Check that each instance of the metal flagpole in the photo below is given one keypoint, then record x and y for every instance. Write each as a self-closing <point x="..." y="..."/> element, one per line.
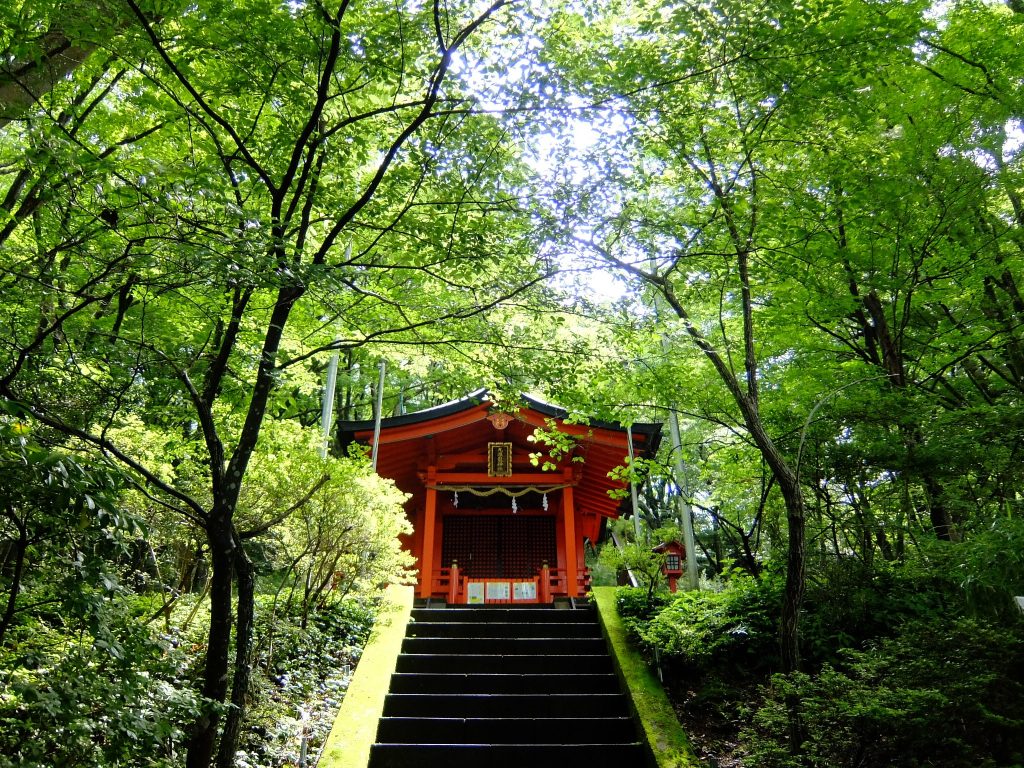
<point x="327" y="407"/>
<point x="685" y="512"/>
<point x="376" y="416"/>
<point x="632" y="487"/>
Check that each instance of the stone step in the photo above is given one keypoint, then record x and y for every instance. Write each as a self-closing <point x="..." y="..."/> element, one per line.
<point x="557" y="646"/>
<point x="502" y="664"/>
<point x="498" y="730"/>
<point x="505" y="687"/>
<point x="506" y="705"/>
<point x="414" y="682"/>
<point x="587" y="755"/>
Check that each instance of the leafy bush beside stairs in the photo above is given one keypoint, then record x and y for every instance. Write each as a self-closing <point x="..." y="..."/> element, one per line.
<point x="898" y="671"/>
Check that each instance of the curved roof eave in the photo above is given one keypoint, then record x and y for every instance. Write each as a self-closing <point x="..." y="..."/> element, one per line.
<point x="470" y="401"/>
<point x="557" y="412"/>
<point x="475" y="398"/>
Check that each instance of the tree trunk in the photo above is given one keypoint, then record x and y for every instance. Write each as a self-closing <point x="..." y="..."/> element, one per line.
<point x="222" y="539"/>
<point x="789" y="483"/>
<point x="938" y="514"/>
<point x="893" y="364"/>
<point x="793" y="596"/>
<point x="23" y="83"/>
<point x="245" y="613"/>
<point x="792" y="495"/>
<point x="21" y="546"/>
<point x="215" y="676"/>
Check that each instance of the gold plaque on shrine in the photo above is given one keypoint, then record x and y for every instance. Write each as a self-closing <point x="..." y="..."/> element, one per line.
<point x="499" y="459"/>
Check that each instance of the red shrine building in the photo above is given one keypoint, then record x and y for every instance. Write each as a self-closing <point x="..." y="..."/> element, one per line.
<point x="490" y="524"/>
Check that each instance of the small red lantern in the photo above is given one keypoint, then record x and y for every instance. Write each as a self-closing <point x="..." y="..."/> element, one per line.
<point x="675" y="554"/>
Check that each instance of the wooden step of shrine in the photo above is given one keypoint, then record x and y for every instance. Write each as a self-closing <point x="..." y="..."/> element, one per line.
<point x="520" y="614"/>
<point x="505" y="688"/>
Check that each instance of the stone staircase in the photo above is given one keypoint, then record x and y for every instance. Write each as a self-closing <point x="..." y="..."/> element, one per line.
<point x="497" y="687"/>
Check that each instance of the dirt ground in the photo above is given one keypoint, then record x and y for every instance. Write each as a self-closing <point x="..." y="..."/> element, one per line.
<point x="713" y="734"/>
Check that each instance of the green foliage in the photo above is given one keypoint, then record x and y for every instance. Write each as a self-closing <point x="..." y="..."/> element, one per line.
<point x="341" y="533"/>
<point x="191" y="215"/>
<point x="987" y="569"/>
<point x="555" y="446"/>
<point x="86" y="680"/>
<point x="637" y="470"/>
<point x="849" y="605"/>
<point x="903" y="668"/>
<point x="661" y="727"/>
<point x="175" y="222"/>
<point x="734" y="628"/>
<point x="638" y="560"/>
<point x="941" y="692"/>
<point x="303" y="670"/>
<point x="66" y="536"/>
<point x="116" y="698"/>
<point x="636" y="604"/>
<point x="601" y="575"/>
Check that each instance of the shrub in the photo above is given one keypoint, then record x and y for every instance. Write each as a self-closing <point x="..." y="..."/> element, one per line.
<point x="732" y="628"/>
<point x="635" y="603"/>
<point x="850" y="604"/>
<point x="938" y="693"/>
<point x="118" y="698"/>
<point x="305" y="670"/>
<point x="985" y="570"/>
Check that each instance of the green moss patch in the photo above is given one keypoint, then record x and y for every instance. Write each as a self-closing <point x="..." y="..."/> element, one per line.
<point x="665" y="737"/>
<point x="355" y="728"/>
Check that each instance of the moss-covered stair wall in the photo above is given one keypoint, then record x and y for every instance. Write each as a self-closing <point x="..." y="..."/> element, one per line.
<point x="670" y="747"/>
<point x="355" y="728"/>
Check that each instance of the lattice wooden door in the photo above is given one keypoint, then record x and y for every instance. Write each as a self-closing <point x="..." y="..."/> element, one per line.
<point x="499" y="546"/>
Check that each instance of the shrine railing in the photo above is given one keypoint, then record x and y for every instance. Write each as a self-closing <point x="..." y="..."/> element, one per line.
<point x="543" y="587"/>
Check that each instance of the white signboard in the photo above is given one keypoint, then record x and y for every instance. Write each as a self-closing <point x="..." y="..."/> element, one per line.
<point x="497" y="590"/>
<point x="524" y="590"/>
<point x="475" y="593"/>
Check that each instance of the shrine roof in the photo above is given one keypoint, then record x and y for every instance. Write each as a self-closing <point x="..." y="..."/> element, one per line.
<point x="458" y="433"/>
<point x="481" y="396"/>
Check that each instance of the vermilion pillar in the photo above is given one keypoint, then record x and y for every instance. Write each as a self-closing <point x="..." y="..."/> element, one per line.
<point x="429" y="519"/>
<point x="571" y="565"/>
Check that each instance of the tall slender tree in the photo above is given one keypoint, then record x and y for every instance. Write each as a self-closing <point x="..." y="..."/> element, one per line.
<point x="213" y="199"/>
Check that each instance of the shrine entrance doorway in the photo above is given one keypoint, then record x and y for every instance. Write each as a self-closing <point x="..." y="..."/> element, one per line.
<point x="499" y="546"/>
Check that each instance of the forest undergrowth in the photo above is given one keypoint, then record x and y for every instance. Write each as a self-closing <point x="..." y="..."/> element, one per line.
<point x="305" y="674"/>
<point x="115" y="690"/>
<point x="903" y="665"/>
